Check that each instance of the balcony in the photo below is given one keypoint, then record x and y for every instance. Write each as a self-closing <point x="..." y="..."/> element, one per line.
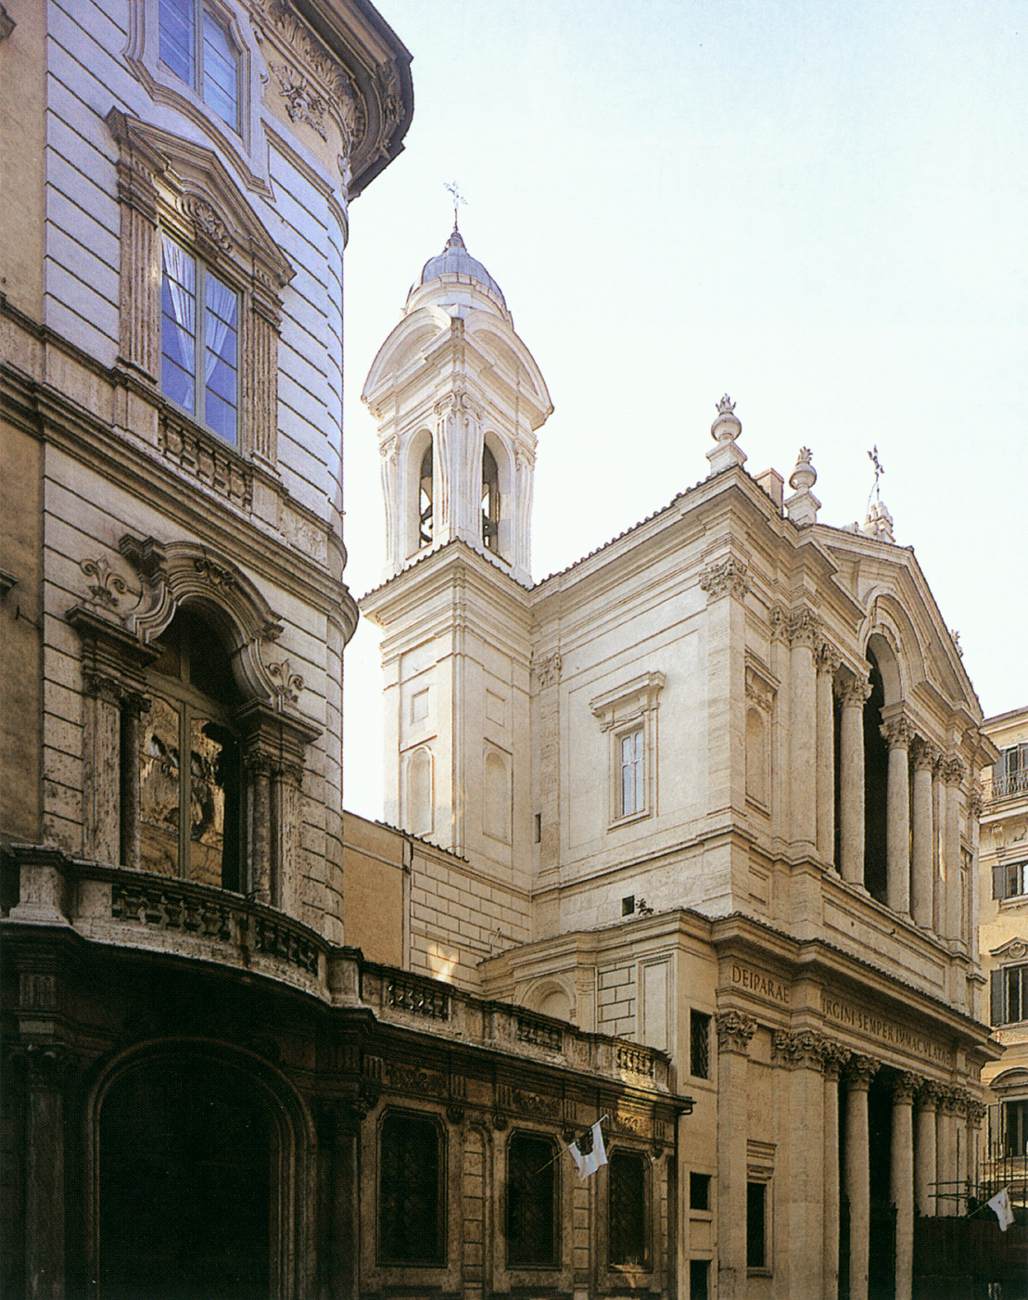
<point x="1010" y="785"/>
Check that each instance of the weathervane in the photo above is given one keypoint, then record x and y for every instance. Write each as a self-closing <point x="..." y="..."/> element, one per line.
<point x="872" y="456"/>
<point x="453" y="189"/>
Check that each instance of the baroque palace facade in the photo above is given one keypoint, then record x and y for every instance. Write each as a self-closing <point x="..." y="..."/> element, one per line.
<point x="711" y="789"/>
<point x="208" y="1090"/>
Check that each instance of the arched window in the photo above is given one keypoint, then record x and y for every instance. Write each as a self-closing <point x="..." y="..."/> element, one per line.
<point x="876" y="784"/>
<point x="533" y="1210"/>
<point x="628" y="1209"/>
<point x="490" y="500"/>
<point x="410" y="1191"/>
<point x="191" y="804"/>
<point x="496" y="808"/>
<point x="425" y="497"/>
<point x="757" y="781"/>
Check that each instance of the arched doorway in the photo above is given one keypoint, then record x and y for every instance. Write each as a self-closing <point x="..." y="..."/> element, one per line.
<point x="187" y="1196"/>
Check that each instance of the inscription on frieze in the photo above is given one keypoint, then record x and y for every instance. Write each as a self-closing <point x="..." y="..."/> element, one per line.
<point x="756" y="981"/>
<point x="885" y="1031"/>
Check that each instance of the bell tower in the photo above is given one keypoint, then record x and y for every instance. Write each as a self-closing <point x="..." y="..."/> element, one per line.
<point x="458" y="399"/>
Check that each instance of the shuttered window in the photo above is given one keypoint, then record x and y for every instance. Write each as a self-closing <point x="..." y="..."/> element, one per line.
<point x="1009" y="989"/>
<point x="1010" y="880"/>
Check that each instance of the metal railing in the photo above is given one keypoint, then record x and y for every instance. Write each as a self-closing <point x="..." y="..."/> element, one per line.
<point x="1011" y="783"/>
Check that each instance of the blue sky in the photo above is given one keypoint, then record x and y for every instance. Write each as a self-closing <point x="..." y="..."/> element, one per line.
<point x="821" y="208"/>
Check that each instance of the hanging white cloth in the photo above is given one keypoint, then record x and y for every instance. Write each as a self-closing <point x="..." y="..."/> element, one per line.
<point x="1000" y="1205"/>
<point x="587" y="1162"/>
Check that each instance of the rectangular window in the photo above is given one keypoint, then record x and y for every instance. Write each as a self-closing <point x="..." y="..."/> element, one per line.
<point x="1010" y="773"/>
<point x="1015" y="1127"/>
<point x="756" y="1225"/>
<point x="410" y="1191"/>
<point x="627" y="1209"/>
<point x="199" y="345"/>
<point x="199" y="49"/>
<point x="699" y="1191"/>
<point x="538" y="824"/>
<point x="532" y="1205"/>
<point x="699" y="1044"/>
<point x="699" y="1279"/>
<point x="1009" y="995"/>
<point x="1010" y="880"/>
<point x="632" y="793"/>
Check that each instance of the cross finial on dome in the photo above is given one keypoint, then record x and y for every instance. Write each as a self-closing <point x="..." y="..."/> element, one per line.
<point x="459" y="201"/>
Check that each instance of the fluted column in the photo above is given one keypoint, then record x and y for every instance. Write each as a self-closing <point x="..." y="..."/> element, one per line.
<point x="952" y="775"/>
<point x="902" y="1180"/>
<point x="802" y="627"/>
<point x="833" y="1057"/>
<point x="926" y="1172"/>
<point x="924" y="756"/>
<point x="897" y="734"/>
<point x="734" y="1031"/>
<point x="963" y="1098"/>
<point x="859" y="1073"/>
<point x="853" y="694"/>
<point x="828" y="662"/>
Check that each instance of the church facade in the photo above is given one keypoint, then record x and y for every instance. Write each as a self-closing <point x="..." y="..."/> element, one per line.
<point x="709" y="789"/>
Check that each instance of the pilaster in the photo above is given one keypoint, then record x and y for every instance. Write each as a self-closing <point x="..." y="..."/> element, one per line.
<point x="734" y="1032"/>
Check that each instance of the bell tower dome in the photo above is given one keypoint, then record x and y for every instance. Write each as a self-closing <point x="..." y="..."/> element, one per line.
<point x="458" y="398"/>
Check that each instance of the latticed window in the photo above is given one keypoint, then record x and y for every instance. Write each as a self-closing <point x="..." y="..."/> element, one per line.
<point x="199" y="342"/>
<point x="627" y="1209"/>
<point x="533" y="1238"/>
<point x="191" y="801"/>
<point x="197" y="47"/>
<point x="699" y="1044"/>
<point x="410" y="1191"/>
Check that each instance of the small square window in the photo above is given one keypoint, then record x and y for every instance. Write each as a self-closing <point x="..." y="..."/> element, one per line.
<point x="699" y="1191"/>
<point x="628" y="905"/>
<point x="419" y="706"/>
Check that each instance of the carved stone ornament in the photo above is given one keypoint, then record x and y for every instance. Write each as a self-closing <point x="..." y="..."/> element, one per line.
<point x="953" y="770"/>
<point x="860" y="1070"/>
<point x="209" y="226"/>
<point x="929" y="1094"/>
<point x="46" y="1065"/>
<point x="827" y="658"/>
<point x="953" y="1100"/>
<point x="797" y="626"/>
<point x="905" y="1086"/>
<point x="976" y="1111"/>
<point x="548" y="670"/>
<point x="288" y="684"/>
<point x="728" y="577"/>
<point x="834" y="1056"/>
<point x="107" y="586"/>
<point x="853" y="692"/>
<point x="734" y="1031"/>
<point x="897" y="732"/>
<point x="216" y="574"/>
<point x="976" y="803"/>
<point x="455" y="1113"/>
<point x="924" y="754"/>
<point x="302" y="100"/>
<point x="799" y="1048"/>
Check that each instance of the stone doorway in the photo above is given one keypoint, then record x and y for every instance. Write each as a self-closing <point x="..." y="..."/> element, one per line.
<point x="185" y="1189"/>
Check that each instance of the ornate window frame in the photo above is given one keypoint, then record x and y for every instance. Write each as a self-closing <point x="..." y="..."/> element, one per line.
<point x="117" y="649"/>
<point x="171" y="186"/>
<point x="624" y="709"/>
<point x="245" y="145"/>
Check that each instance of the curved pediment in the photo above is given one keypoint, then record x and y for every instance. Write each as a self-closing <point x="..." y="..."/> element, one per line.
<point x="513" y="359"/>
<point x="407" y="343"/>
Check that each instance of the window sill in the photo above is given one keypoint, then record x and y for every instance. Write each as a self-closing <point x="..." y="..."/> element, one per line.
<point x="204" y="456"/>
<point x="629" y="819"/>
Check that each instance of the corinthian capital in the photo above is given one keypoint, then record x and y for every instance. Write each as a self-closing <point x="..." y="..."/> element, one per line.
<point x="853" y="691"/>
<point x="734" y="1031"/>
<point x="905" y="1086"/>
<point x="953" y="770"/>
<point x="860" y="1070"/>
<point x="728" y="577"/>
<point x="827" y="658"/>
<point x="925" y="755"/>
<point x="897" y="732"/>
<point x="798" y="1048"/>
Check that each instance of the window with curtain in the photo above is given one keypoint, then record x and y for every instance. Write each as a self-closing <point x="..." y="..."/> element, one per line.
<point x="199" y="342"/>
<point x="191" y="799"/>
<point x="627" y="1204"/>
<point x="197" y="47"/>
<point x="632" y="797"/>
<point x="532" y="1206"/>
<point x="410" y="1191"/>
